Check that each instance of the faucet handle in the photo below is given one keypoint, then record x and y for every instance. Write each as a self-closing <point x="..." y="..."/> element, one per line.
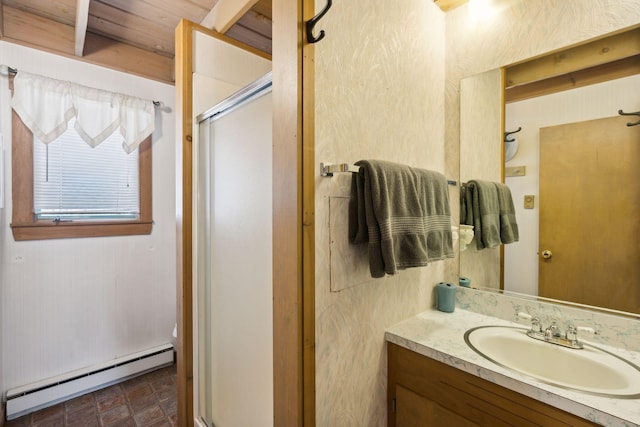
<point x="535" y="322"/>
<point x="535" y="325"/>
<point x="573" y="331"/>
<point x="581" y="330"/>
<point x="577" y="329"/>
<point x="587" y="329"/>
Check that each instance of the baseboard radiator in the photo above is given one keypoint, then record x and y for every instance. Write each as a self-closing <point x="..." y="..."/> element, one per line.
<point x="32" y="397"/>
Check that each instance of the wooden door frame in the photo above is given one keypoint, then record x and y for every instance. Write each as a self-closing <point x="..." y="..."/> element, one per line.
<point x="293" y="217"/>
<point x="184" y="201"/>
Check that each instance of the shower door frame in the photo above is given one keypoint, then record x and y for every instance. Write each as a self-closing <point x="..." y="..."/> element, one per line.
<point x="201" y="177"/>
<point x="293" y="206"/>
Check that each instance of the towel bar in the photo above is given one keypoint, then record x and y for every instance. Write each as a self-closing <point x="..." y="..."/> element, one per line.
<point x="329" y="170"/>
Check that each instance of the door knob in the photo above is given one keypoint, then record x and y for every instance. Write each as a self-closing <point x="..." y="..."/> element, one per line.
<point x="547" y="254"/>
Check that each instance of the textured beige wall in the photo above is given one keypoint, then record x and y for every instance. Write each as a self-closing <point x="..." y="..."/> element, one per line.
<point x="379" y="95"/>
<point x="518" y="30"/>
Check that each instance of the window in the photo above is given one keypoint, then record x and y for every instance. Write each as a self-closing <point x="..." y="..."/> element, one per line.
<point x="72" y="181"/>
<point x="54" y="198"/>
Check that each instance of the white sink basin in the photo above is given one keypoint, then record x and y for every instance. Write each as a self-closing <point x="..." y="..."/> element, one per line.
<point x="590" y="370"/>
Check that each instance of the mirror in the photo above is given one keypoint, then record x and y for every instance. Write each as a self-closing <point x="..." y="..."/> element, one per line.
<point x="518" y="267"/>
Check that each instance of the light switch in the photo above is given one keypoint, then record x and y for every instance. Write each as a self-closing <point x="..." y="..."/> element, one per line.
<point x="515" y="171"/>
<point x="529" y="201"/>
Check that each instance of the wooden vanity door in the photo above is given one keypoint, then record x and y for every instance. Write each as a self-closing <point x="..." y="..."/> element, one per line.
<point x="423" y="392"/>
<point x="413" y="410"/>
<point x="590" y="213"/>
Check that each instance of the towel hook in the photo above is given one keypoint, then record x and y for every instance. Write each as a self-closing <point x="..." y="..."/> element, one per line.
<point x="637" y="113"/>
<point x="506" y="134"/>
<point x="310" y="24"/>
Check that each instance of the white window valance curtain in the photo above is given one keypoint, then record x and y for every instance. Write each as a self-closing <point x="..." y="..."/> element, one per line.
<point x="46" y="105"/>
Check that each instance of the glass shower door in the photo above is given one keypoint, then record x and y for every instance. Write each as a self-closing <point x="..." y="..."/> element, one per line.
<point x="234" y="264"/>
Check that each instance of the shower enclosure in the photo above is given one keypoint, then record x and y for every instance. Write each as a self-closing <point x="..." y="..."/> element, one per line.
<point x="233" y="269"/>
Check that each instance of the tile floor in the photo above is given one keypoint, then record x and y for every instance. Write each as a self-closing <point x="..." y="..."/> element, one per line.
<point x="148" y="400"/>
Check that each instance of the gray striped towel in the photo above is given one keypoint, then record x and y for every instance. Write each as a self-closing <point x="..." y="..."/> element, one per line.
<point x="403" y="213"/>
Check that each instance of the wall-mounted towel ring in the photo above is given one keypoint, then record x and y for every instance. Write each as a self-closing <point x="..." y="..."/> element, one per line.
<point x="637" y="113"/>
<point x="310" y="24"/>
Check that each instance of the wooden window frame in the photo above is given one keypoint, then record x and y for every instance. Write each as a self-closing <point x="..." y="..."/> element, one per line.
<point x="25" y="226"/>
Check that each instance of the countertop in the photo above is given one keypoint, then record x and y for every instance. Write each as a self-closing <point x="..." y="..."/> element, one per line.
<point x="440" y="336"/>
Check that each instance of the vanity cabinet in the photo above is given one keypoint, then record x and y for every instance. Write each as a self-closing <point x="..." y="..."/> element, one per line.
<point x="424" y="392"/>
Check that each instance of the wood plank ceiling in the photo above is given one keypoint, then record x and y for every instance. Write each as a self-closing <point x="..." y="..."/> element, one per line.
<point x="135" y="36"/>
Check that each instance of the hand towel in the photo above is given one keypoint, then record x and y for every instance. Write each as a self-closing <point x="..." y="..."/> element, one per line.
<point x="403" y="213"/>
<point x="508" y="224"/>
<point x="466" y="205"/>
<point x="486" y="213"/>
<point x="463" y="204"/>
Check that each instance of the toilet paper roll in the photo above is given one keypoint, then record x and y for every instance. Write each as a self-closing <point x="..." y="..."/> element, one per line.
<point x="446" y="297"/>
<point x="465" y="281"/>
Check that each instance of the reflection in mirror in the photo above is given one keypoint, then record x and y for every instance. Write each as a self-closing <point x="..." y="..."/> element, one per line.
<point x="560" y="126"/>
<point x="480" y="120"/>
<point x="579" y="242"/>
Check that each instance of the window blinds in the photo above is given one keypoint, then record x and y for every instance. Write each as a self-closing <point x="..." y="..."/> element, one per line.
<point x="74" y="181"/>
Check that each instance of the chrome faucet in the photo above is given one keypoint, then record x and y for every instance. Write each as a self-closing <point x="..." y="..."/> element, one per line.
<point x="553" y="334"/>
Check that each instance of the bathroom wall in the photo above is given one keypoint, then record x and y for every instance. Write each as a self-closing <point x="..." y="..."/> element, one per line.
<point x="513" y="31"/>
<point x="387" y="86"/>
<point x="379" y="95"/>
<point x="72" y="303"/>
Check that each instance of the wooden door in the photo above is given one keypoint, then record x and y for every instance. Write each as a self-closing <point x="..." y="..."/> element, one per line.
<point x="590" y="213"/>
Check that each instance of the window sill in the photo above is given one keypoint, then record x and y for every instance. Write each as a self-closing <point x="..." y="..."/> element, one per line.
<point x="44" y="230"/>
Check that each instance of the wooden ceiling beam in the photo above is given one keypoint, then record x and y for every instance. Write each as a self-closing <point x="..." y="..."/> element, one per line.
<point x="44" y="34"/>
<point x="264" y="7"/>
<point x="139" y="31"/>
<point x="598" y="52"/>
<point x="82" y="19"/>
<point x="129" y="59"/>
<point x="33" y="30"/>
<point x="226" y="13"/>
<point x="580" y="78"/>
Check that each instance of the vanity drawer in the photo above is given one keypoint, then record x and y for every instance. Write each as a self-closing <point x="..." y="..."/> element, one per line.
<point x="424" y="392"/>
